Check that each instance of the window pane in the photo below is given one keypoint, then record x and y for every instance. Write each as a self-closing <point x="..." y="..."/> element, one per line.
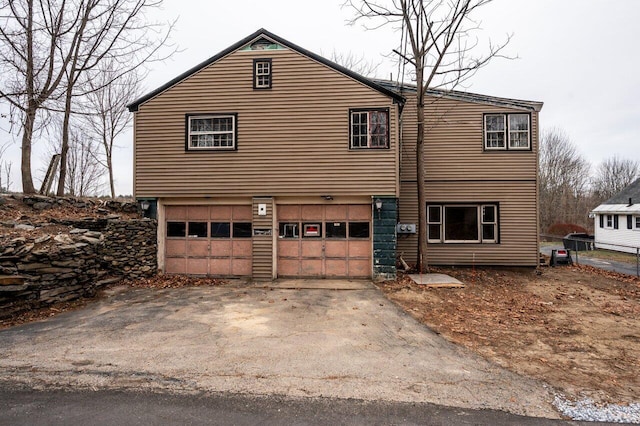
<point x="433" y="214"/>
<point x="638" y="222"/>
<point x="488" y="214"/>
<point x="358" y="229"/>
<point x="461" y="223"/>
<point x="201" y="125"/>
<point x="495" y="140"/>
<point x="336" y="229"/>
<point x="288" y="230"/>
<point x="312" y="230"/>
<point x="519" y="139"/>
<point x="434" y="232"/>
<point x="242" y="230"/>
<point x="198" y="229"/>
<point x="489" y="232"/>
<point x="518" y="122"/>
<point x="220" y="230"/>
<point x="494" y="123"/>
<point x="176" y="229"/>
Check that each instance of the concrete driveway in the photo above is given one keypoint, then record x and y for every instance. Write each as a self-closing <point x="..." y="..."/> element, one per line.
<point x="340" y="339"/>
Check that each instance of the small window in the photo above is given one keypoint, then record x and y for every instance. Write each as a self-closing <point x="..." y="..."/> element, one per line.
<point x="176" y="229"/>
<point x="336" y="229"/>
<point x="262" y="73"/>
<point x="312" y="230"/>
<point x="211" y="132"/>
<point x="637" y="220"/>
<point x="434" y="223"/>
<point x="242" y="230"/>
<point x="358" y="229"/>
<point x="220" y="230"/>
<point x="507" y="132"/>
<point x="289" y="230"/>
<point x="369" y="129"/>
<point x="197" y="229"/>
<point x="609" y="221"/>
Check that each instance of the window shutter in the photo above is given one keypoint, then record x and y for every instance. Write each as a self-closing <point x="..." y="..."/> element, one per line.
<point x="615" y="221"/>
<point x="601" y="220"/>
<point x="629" y="221"/>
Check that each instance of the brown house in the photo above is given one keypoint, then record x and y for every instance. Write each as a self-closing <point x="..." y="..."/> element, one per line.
<point x="270" y="161"/>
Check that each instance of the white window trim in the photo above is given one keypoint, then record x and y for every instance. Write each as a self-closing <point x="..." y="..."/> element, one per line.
<point x="636" y="221"/>
<point x="479" y="208"/>
<point x="506" y="132"/>
<point x="232" y="132"/>
<point x="608" y="217"/>
<point x="367" y="113"/>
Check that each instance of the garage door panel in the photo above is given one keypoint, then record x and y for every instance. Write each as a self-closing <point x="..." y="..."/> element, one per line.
<point x="286" y="212"/>
<point x="175" y="265"/>
<point x="288" y="248"/>
<point x="198" y="213"/>
<point x="242" y="248"/>
<point x="197" y="248"/>
<point x="336" y="268"/>
<point x="221" y="213"/>
<point x="221" y="248"/>
<point x="336" y="213"/>
<point x="336" y="249"/>
<point x="197" y="266"/>
<point x="359" y="268"/>
<point x="312" y="213"/>
<point x="311" y="267"/>
<point x="176" y="247"/>
<point x="360" y="249"/>
<point x="241" y="267"/>
<point x="242" y="213"/>
<point x="176" y="213"/>
<point x="288" y="267"/>
<point x="360" y="213"/>
<point x="220" y="266"/>
<point x="311" y="248"/>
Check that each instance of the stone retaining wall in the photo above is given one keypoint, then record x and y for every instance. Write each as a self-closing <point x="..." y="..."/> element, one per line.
<point x="38" y="271"/>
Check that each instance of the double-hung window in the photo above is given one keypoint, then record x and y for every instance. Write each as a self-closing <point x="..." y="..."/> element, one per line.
<point x="637" y="220"/>
<point x="262" y="72"/>
<point x="507" y="132"/>
<point x="211" y="132"/>
<point x="369" y="128"/>
<point x="462" y="223"/>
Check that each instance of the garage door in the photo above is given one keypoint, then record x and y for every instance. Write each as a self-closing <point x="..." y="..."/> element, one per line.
<point x="208" y="240"/>
<point x="324" y="241"/>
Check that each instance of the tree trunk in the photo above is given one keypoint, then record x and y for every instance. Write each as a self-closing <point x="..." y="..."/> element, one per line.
<point x="420" y="174"/>
<point x="25" y="165"/>
<point x="110" y="168"/>
<point x="65" y="144"/>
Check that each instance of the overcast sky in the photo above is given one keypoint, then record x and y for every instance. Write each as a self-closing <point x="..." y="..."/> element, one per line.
<point x="579" y="57"/>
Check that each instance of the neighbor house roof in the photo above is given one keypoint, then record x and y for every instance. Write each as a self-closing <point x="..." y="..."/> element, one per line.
<point x="262" y="33"/>
<point x="403" y="88"/>
<point x="625" y="201"/>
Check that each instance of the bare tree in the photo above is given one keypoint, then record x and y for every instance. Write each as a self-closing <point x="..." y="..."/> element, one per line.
<point x="563" y="180"/>
<point x="612" y="175"/>
<point x="440" y="39"/>
<point x="107" y="114"/>
<point x="5" y="167"/>
<point x="30" y="31"/>
<point x="357" y="64"/>
<point x="86" y="174"/>
<point x="115" y="32"/>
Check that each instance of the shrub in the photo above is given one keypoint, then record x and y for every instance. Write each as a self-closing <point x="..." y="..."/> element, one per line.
<point x="562" y="229"/>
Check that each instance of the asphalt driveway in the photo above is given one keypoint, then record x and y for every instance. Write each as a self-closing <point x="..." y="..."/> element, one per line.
<point x="340" y="339"/>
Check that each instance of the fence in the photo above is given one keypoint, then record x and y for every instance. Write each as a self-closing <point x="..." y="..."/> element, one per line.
<point x="586" y="244"/>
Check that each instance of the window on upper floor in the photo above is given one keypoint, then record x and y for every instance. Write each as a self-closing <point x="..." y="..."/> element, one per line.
<point x="369" y="128"/>
<point x="211" y="132"/>
<point x="462" y="223"/>
<point x="507" y="132"/>
<point x="262" y="72"/>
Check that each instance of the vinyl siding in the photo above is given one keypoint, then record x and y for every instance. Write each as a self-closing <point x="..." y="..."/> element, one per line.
<point x="517" y="221"/>
<point x="263" y="244"/>
<point x="459" y="170"/>
<point x="292" y="139"/>
<point x="621" y="239"/>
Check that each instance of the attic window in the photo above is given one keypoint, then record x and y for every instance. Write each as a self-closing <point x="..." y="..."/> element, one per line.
<point x="263" y="44"/>
<point x="262" y="73"/>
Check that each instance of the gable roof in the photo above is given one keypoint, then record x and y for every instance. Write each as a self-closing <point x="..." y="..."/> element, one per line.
<point x="630" y="192"/>
<point x="465" y="96"/>
<point x="262" y="33"/>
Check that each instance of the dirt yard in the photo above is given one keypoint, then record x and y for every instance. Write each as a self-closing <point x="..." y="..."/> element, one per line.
<point x="576" y="328"/>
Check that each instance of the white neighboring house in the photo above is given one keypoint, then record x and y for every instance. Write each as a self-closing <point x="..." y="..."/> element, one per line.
<point x="617" y="221"/>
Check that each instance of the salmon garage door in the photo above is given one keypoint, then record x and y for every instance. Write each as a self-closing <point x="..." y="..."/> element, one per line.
<point x="208" y="240"/>
<point x="324" y="241"/>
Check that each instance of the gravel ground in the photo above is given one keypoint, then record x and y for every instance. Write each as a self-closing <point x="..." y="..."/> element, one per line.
<point x="586" y="410"/>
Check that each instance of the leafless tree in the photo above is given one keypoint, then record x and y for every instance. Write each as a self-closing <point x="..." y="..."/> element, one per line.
<point x="441" y="45"/>
<point x="107" y="116"/>
<point x="5" y="168"/>
<point x="86" y="174"/>
<point x="115" y="32"/>
<point x="612" y="175"/>
<point x="358" y="64"/>
<point x="563" y="180"/>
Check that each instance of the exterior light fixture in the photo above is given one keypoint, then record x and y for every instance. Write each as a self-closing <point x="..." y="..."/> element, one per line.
<point x="378" y="204"/>
<point x="327" y="197"/>
<point x="144" y="205"/>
